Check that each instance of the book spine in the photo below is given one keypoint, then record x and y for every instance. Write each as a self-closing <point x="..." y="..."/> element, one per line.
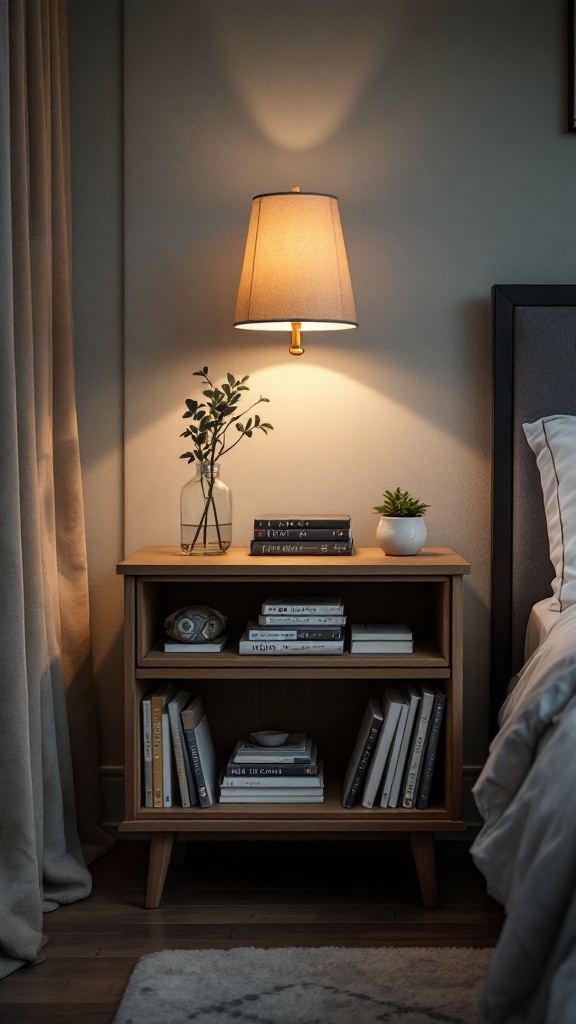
<point x="304" y="547"/>
<point x="197" y="766"/>
<point x="157" y="791"/>
<point x="271" y="633"/>
<point x="267" y="771"/>
<point x="306" y="783"/>
<point x="302" y="608"/>
<point x="147" y="752"/>
<point x="291" y="647"/>
<point x="362" y="766"/>
<point x="415" y="761"/>
<point x="328" y="523"/>
<point x="378" y="647"/>
<point x="301" y="534"/>
<point x="302" y="620"/>
<point x="179" y="757"/>
<point x="167" y="796"/>
<point x="430" y="753"/>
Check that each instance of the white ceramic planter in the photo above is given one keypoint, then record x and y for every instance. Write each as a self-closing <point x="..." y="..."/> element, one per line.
<point x="401" y="535"/>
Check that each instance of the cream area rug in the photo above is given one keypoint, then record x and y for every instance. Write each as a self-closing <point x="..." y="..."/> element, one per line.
<point x="329" y="985"/>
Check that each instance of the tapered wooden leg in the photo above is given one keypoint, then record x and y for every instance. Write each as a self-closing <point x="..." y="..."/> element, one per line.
<point x="160" y="851"/>
<point x="422" y="844"/>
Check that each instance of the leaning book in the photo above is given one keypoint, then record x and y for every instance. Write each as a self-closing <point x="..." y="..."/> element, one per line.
<point x="201" y="748"/>
<point x="363" y="747"/>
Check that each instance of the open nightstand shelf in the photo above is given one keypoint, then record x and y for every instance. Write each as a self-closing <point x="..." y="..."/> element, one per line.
<point x="324" y="696"/>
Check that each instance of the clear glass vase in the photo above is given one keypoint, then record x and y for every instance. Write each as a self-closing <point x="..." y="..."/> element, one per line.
<point x="206" y="513"/>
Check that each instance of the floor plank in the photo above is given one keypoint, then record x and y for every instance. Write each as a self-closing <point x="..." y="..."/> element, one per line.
<point x="230" y="894"/>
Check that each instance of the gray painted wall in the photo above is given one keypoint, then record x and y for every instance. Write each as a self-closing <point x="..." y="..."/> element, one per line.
<point x="440" y="124"/>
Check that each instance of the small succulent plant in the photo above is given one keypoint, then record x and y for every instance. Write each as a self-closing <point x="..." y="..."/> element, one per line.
<point x="401" y="505"/>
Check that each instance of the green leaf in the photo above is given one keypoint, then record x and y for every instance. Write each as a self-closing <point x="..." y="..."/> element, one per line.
<point x="230" y="379"/>
<point x="240" y="428"/>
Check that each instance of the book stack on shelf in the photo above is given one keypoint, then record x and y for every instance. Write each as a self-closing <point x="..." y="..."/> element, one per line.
<point x="380" y="638"/>
<point x="302" y="535"/>
<point x="179" y="763"/>
<point x="285" y="774"/>
<point x="392" y="764"/>
<point x="296" y="625"/>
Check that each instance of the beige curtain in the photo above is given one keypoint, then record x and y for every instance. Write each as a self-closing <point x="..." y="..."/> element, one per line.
<point x="48" y="749"/>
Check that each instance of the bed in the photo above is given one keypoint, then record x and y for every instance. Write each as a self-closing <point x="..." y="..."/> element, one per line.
<point x="526" y="792"/>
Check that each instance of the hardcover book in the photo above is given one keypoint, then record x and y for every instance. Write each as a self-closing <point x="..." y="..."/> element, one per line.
<point x="188" y="794"/>
<point x="365" y="742"/>
<point x="276" y="755"/>
<point x="410" y="781"/>
<point x="390" y="770"/>
<point x="381" y="647"/>
<point x="297" y="534"/>
<point x="201" y="747"/>
<point x="391" y="708"/>
<point x="251" y="770"/>
<point x="147" y="750"/>
<point x="280" y="782"/>
<point x="412" y="695"/>
<point x="303" y="605"/>
<point x="294" y="632"/>
<point x="366" y="631"/>
<point x="210" y="647"/>
<point x="157" y="701"/>
<point x="294" y="621"/>
<point x="429" y="756"/>
<point x="247" y="646"/>
<point x="301" y="547"/>
<point x="258" y="798"/>
<point x="277" y="522"/>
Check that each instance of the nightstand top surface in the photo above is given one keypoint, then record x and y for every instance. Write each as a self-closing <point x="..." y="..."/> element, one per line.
<point x="172" y="561"/>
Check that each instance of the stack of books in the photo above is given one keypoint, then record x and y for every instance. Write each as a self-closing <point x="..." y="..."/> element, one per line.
<point x="178" y="759"/>
<point x="380" y="638"/>
<point x="392" y="764"/>
<point x="296" y="625"/>
<point x="286" y="774"/>
<point x="302" y="535"/>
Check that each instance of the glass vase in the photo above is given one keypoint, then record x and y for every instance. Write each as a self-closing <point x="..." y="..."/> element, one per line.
<point x="206" y="513"/>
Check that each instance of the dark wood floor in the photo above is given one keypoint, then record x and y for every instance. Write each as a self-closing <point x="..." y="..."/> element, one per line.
<point x="242" y="894"/>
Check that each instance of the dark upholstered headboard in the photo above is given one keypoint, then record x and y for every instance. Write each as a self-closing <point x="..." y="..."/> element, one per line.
<point x="534" y="375"/>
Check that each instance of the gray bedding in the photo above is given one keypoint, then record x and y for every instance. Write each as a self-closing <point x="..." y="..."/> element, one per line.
<point x="526" y="848"/>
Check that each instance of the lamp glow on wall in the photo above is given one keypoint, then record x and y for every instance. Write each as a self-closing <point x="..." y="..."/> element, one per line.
<point x="295" y="274"/>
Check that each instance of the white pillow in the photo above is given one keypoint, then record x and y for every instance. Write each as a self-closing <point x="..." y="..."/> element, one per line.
<point x="553" y="441"/>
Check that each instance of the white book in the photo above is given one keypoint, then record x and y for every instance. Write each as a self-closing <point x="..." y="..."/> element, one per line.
<point x="188" y="795"/>
<point x="366" y="631"/>
<point x="294" y="632"/>
<point x="256" y="798"/>
<point x="167" y="760"/>
<point x="410" y="781"/>
<point x="201" y="747"/>
<point x="265" y="619"/>
<point x="391" y="707"/>
<point x="381" y="647"/>
<point x="394" y="753"/>
<point x="147" y="751"/>
<point x="210" y="647"/>
<point x="412" y="695"/>
<point x="248" y="792"/>
<point x="277" y="755"/>
<point x="303" y="605"/>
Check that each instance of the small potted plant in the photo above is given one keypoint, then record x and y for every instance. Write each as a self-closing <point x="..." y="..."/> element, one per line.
<point x="401" y="530"/>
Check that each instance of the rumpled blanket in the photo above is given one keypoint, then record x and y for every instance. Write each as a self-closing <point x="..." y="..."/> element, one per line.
<point x="526" y="848"/>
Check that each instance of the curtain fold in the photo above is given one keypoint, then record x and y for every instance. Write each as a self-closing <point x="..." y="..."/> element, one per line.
<point x="47" y="707"/>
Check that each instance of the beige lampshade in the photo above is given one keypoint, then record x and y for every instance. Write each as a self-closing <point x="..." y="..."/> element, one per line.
<point x="295" y="268"/>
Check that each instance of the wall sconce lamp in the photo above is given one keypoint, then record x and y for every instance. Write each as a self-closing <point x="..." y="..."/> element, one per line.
<point x="295" y="274"/>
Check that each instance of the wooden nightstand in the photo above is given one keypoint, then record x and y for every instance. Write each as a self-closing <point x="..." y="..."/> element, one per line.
<point x="322" y="696"/>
